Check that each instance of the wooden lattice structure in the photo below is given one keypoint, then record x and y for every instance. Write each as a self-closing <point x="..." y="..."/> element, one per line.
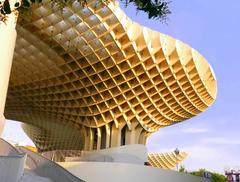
<point x="166" y="160"/>
<point x="90" y="78"/>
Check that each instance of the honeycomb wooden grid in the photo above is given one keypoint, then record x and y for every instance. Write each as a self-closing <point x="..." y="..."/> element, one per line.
<point x="166" y="160"/>
<point x="90" y="67"/>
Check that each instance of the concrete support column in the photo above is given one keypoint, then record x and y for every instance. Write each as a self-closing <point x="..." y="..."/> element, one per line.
<point x="142" y="138"/>
<point x="116" y="136"/>
<point x="108" y="135"/>
<point x="131" y="134"/>
<point x="99" y="136"/>
<point x="91" y="140"/>
<point x="138" y="131"/>
<point x="7" y="44"/>
<point x="130" y="137"/>
<point x="86" y="138"/>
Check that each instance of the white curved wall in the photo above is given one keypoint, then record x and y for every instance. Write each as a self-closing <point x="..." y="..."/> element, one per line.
<point x="11" y="168"/>
<point x="135" y="154"/>
<point x="119" y="172"/>
<point x="7" y="44"/>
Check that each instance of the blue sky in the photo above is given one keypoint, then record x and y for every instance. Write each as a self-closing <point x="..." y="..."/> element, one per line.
<point x="212" y="139"/>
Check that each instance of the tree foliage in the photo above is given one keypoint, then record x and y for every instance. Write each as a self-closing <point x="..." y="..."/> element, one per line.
<point x="156" y="9"/>
<point x="218" y="177"/>
<point x="182" y="169"/>
<point x="215" y="177"/>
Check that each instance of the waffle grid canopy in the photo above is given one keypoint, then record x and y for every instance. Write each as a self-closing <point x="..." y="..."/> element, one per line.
<point x="93" y="71"/>
<point x="166" y="160"/>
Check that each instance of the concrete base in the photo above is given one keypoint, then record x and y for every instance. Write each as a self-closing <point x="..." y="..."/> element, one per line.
<point x="125" y="163"/>
<point x="119" y="172"/>
<point x="133" y="154"/>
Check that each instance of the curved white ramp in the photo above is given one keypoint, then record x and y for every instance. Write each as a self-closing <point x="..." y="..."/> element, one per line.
<point x="119" y="172"/>
<point x="46" y="168"/>
<point x="11" y="162"/>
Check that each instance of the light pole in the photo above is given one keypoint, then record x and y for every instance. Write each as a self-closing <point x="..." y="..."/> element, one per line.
<point x="176" y="151"/>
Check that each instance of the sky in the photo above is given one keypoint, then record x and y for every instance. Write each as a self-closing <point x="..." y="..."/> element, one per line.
<point x="212" y="139"/>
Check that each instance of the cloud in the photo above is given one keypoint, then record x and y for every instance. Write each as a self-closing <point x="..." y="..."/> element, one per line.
<point x="204" y="157"/>
<point x="221" y="141"/>
<point x="194" y="130"/>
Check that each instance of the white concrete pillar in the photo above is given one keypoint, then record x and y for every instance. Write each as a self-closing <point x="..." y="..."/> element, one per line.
<point x="8" y="37"/>
<point x="7" y="44"/>
<point x="2" y="122"/>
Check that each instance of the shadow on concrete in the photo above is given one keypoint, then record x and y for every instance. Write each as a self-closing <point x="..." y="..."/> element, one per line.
<point x="47" y="168"/>
<point x="11" y="162"/>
